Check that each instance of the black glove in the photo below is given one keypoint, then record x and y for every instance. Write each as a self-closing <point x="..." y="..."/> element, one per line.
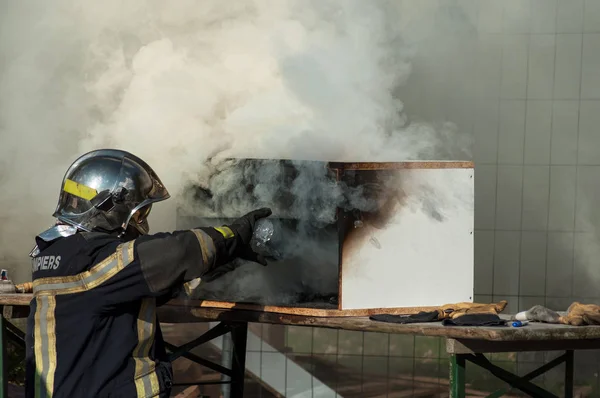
<point x="233" y="241"/>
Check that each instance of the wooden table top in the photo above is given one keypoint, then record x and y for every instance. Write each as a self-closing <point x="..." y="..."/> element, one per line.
<point x="188" y="311"/>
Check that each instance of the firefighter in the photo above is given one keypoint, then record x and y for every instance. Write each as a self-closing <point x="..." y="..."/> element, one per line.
<point x="98" y="276"/>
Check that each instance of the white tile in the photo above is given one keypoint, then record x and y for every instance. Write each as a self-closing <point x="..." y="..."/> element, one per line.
<point x="271" y="335"/>
<point x="527" y="302"/>
<point x="483" y="298"/>
<point x="536" y="187"/>
<point x="488" y="65"/>
<point x="559" y="264"/>
<point x="540" y="79"/>
<point x="508" y="199"/>
<point x="591" y="16"/>
<point x="587" y="217"/>
<point x="569" y="18"/>
<point x="538" y="131"/>
<point x="485" y="131"/>
<point x="559" y="303"/>
<point x="325" y="341"/>
<point x="321" y="390"/>
<point x="562" y="198"/>
<point x="253" y="342"/>
<point x="517" y="16"/>
<point x="460" y="112"/>
<point x="470" y="10"/>
<point x="484" y="262"/>
<point x="565" y="122"/>
<point x="586" y="277"/>
<point x="490" y="16"/>
<point x="273" y="371"/>
<point x="589" y="133"/>
<point x="462" y="65"/>
<point x="528" y="361"/>
<point x="253" y="362"/>
<point x="543" y="16"/>
<point x="533" y="264"/>
<point x="512" y="132"/>
<point x="376" y="365"/>
<point x="299" y="381"/>
<point x="590" y="78"/>
<point x="568" y="66"/>
<point x="485" y="196"/>
<point x="376" y="344"/>
<point x="506" y="263"/>
<point x="514" y="66"/>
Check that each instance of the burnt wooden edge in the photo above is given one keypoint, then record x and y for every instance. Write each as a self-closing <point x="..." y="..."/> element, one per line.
<point x="474" y="346"/>
<point x="25" y="299"/>
<point x="316" y="312"/>
<point x="401" y="165"/>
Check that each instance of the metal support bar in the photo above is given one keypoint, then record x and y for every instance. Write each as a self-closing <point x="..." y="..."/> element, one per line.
<point x="532" y="375"/>
<point x="457" y="376"/>
<point x="569" y="366"/>
<point x="514" y="380"/>
<point x="219" y="330"/>
<point x="239" y="335"/>
<point x="14" y="334"/>
<point x="201" y="361"/>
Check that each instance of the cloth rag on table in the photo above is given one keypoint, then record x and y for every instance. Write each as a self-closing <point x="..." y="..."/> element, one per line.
<point x="416" y="318"/>
<point x="448" y="311"/>
<point x="475" y="320"/>
<point x="577" y="315"/>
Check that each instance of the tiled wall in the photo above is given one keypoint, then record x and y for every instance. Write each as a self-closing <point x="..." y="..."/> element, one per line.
<point x="524" y="78"/>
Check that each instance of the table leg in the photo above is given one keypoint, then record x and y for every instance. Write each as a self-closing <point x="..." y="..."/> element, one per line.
<point x="569" y="367"/>
<point x="457" y="376"/>
<point x="239" y="335"/>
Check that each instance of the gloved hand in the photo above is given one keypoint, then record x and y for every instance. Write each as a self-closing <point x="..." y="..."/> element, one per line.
<point x="242" y="230"/>
<point x="232" y="242"/>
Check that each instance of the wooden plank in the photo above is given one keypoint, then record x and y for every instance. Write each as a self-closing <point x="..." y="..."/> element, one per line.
<point x="15" y="299"/>
<point x="457" y="346"/>
<point x="183" y="311"/>
<point x="532" y="332"/>
<point x="329" y="313"/>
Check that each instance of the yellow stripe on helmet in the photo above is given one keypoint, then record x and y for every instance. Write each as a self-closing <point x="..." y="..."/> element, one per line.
<point x="79" y="190"/>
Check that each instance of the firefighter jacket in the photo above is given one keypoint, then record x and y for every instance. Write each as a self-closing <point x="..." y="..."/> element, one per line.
<point x="92" y="330"/>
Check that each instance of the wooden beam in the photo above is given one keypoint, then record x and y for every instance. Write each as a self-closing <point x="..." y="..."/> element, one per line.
<point x="470" y="346"/>
<point x="22" y="299"/>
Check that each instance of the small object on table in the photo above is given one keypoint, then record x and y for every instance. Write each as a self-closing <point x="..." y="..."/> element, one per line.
<point x="538" y="313"/>
<point x="26" y="287"/>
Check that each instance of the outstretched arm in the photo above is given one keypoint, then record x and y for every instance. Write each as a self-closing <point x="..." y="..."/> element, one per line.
<point x="153" y="265"/>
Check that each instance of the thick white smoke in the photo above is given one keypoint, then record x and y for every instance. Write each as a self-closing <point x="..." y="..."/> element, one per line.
<point x="178" y="83"/>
